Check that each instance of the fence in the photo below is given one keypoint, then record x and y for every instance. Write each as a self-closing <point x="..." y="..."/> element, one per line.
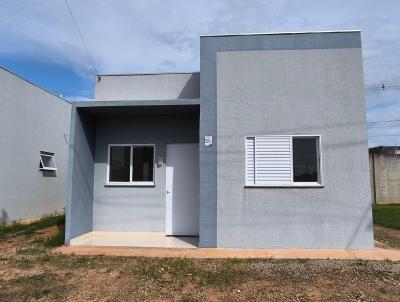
<point x="385" y="174"/>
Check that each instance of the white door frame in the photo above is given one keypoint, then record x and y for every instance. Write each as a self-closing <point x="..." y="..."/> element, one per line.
<point x="188" y="230"/>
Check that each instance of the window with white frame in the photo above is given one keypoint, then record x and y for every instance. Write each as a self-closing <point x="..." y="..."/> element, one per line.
<point x="130" y="165"/>
<point x="283" y="160"/>
<point x="47" y="162"/>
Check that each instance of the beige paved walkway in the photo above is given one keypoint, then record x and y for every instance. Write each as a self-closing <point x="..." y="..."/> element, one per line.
<point x="155" y="244"/>
<point x="134" y="239"/>
<point x="374" y="254"/>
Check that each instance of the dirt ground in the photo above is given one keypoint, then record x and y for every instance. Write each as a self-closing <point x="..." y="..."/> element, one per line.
<point x="390" y="238"/>
<point x="31" y="272"/>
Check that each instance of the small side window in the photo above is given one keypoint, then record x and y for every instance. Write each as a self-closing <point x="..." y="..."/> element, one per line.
<point x="47" y="162"/>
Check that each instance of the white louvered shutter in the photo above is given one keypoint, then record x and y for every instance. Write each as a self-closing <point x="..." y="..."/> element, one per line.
<point x="273" y="160"/>
<point x="250" y="160"/>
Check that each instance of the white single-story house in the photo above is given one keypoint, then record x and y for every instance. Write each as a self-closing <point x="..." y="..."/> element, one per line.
<point x="265" y="147"/>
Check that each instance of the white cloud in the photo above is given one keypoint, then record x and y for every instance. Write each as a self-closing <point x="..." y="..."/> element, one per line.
<point x="141" y="36"/>
<point x="75" y="98"/>
<point x="157" y="35"/>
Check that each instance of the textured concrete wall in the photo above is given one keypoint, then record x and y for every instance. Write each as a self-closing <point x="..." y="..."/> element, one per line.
<point x="385" y="175"/>
<point x="80" y="185"/>
<point x="148" y="87"/>
<point x="31" y="120"/>
<point x="286" y="84"/>
<point x="136" y="208"/>
<point x="208" y="155"/>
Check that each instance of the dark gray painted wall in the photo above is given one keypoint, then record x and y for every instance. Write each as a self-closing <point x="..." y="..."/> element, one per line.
<point x="168" y="86"/>
<point x="136" y="208"/>
<point x="288" y="84"/>
<point x="208" y="155"/>
<point x="31" y="120"/>
<point x="79" y="212"/>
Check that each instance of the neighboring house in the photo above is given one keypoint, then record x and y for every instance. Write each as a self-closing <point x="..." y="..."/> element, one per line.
<point x="265" y="148"/>
<point x="34" y="133"/>
<point x="385" y="174"/>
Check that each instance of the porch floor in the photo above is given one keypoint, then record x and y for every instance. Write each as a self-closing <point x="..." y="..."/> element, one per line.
<point x="134" y="239"/>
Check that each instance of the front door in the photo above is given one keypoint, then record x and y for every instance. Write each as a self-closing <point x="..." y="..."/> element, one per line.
<point x="182" y="189"/>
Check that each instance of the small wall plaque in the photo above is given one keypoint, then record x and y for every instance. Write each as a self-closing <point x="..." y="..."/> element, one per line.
<point x="208" y="140"/>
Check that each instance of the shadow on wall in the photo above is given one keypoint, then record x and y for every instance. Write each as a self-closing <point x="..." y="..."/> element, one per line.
<point x="3" y="217"/>
<point x="367" y="212"/>
<point x="191" y="90"/>
<point x="49" y="173"/>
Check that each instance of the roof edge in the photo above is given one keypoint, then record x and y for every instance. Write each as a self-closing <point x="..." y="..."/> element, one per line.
<point x="128" y="103"/>
<point x="282" y="33"/>
<point x="36" y="85"/>
<point x="144" y="74"/>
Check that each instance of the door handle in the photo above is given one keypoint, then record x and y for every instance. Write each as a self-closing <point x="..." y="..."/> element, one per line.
<point x="168" y="192"/>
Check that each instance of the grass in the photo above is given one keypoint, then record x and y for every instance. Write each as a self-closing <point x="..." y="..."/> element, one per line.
<point x="45" y="286"/>
<point x="55" y="240"/>
<point x="387" y="215"/>
<point x="18" y="228"/>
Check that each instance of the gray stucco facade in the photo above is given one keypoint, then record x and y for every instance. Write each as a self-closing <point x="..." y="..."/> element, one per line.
<point x="166" y="86"/>
<point x="31" y="120"/>
<point x="261" y="84"/>
<point x="268" y="92"/>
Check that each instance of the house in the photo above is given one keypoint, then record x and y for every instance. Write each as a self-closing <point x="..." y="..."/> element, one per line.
<point x="34" y="133"/>
<point x="266" y="147"/>
<point x="384" y="162"/>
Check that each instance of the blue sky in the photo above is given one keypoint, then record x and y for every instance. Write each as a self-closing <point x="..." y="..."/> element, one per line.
<point x="39" y="40"/>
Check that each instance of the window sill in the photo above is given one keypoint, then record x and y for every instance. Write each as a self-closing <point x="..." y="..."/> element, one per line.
<point x="297" y="185"/>
<point x="130" y="184"/>
<point x="47" y="169"/>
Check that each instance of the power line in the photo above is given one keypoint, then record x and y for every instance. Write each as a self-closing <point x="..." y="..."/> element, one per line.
<point x="384" y="127"/>
<point x="383" y="87"/>
<point x="380" y="88"/>
<point x="384" y="135"/>
<point x="384" y="121"/>
<point x="81" y="36"/>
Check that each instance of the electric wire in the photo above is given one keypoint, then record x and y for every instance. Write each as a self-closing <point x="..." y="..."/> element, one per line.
<point x="81" y="36"/>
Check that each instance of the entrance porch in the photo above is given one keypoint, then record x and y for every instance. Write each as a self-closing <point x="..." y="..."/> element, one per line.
<point x="133" y="174"/>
